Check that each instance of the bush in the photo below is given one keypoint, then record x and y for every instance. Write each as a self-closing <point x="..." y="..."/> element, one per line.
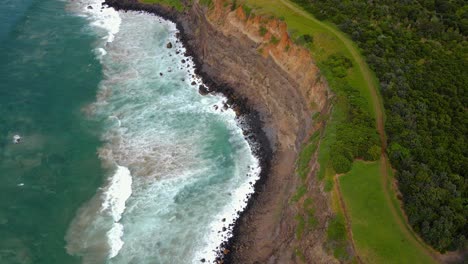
<point x="262" y="31"/>
<point x="274" y="40"/>
<point x="305" y="40"/>
<point x="341" y="164"/>
<point x="234" y="5"/>
<point x="373" y="153"/>
<point x="247" y="10"/>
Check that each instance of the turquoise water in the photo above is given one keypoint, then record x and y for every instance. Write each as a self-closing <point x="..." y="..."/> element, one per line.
<point x="122" y="160"/>
<point x="47" y="74"/>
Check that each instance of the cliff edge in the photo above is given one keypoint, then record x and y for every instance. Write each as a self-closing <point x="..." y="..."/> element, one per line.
<point x="279" y="80"/>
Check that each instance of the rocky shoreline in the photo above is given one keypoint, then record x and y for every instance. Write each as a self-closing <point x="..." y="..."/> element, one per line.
<point x="247" y="117"/>
<point x="274" y="109"/>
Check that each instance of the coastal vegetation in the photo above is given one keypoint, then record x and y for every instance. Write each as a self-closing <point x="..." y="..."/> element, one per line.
<point x="350" y="132"/>
<point x="418" y="51"/>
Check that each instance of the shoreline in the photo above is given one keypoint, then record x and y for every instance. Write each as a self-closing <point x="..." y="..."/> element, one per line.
<point x="248" y="118"/>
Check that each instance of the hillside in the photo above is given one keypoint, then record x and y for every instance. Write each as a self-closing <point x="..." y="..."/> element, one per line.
<point x="418" y="51"/>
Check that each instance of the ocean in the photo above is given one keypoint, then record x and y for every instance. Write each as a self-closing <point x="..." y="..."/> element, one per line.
<point x="121" y="159"/>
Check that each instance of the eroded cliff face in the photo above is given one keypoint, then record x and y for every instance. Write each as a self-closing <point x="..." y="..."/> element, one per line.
<point x="286" y="85"/>
<point x="282" y="82"/>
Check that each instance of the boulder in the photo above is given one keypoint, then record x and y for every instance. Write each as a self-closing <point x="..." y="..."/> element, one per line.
<point x="203" y="90"/>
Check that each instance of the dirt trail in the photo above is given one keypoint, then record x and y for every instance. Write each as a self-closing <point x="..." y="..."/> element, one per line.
<point x="377" y="104"/>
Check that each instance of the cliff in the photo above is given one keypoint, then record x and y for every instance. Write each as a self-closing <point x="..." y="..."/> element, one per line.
<point x="280" y="82"/>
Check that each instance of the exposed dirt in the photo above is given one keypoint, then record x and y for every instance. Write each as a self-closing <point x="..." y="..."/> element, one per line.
<point x="281" y="82"/>
<point x="285" y="86"/>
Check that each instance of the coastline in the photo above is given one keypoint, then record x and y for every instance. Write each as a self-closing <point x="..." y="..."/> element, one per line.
<point x="274" y="111"/>
<point x="248" y="118"/>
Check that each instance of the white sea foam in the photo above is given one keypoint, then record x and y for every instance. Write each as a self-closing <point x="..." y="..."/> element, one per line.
<point x="114" y="237"/>
<point x="114" y="197"/>
<point x="190" y="164"/>
<point x="117" y="193"/>
<point x="102" y="16"/>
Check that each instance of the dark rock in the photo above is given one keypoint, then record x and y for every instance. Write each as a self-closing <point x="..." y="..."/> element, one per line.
<point x="161" y="74"/>
<point x="90" y="7"/>
<point x="224" y="220"/>
<point x="183" y="61"/>
<point x="169" y="45"/>
<point x="193" y="83"/>
<point x="203" y="90"/>
<point x="261" y="145"/>
<point x="203" y="260"/>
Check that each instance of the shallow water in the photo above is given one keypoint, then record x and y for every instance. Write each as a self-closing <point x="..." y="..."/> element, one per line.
<point x="122" y="157"/>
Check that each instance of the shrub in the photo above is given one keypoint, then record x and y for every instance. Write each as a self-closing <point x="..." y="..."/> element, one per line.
<point x="373" y="153"/>
<point x="274" y="40"/>
<point x="234" y="5"/>
<point x="341" y="164"/>
<point x="247" y="10"/>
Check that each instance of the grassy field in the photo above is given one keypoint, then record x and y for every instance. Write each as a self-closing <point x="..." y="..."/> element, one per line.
<point x="378" y="237"/>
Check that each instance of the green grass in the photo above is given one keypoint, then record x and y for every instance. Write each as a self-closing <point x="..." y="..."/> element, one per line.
<point x="177" y="4"/>
<point x="299" y="255"/>
<point x="300" y="226"/>
<point x="309" y="209"/>
<point x="308" y="150"/>
<point x="301" y="191"/>
<point x="378" y="237"/>
<point x="336" y="237"/>
<point x="208" y="3"/>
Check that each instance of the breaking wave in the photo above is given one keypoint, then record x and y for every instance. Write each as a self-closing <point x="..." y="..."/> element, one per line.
<point x="182" y="168"/>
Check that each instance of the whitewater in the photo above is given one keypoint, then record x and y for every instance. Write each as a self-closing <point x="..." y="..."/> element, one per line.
<point x="179" y="167"/>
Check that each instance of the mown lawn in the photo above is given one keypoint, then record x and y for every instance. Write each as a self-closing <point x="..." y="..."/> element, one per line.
<point x="378" y="237"/>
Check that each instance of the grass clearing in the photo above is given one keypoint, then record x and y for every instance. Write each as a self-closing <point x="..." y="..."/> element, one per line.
<point x="177" y="4"/>
<point x="378" y="237"/>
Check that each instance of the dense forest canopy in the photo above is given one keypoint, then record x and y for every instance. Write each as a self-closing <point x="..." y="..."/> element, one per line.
<point x="418" y="50"/>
